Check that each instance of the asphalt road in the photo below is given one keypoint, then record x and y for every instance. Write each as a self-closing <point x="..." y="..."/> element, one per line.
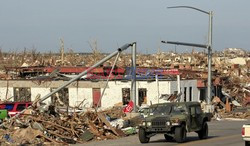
<point x="226" y="132"/>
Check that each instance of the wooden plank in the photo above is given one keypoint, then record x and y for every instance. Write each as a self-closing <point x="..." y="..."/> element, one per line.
<point x="118" y="132"/>
<point x="93" y="129"/>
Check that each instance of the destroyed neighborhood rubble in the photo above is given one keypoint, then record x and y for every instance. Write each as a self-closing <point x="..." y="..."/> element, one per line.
<point x="50" y="126"/>
<point x="235" y="98"/>
<point x="40" y="125"/>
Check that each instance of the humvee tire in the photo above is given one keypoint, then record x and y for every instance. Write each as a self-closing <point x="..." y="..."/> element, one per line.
<point x="180" y="134"/>
<point x="143" y="136"/>
<point x="203" y="133"/>
<point x="168" y="138"/>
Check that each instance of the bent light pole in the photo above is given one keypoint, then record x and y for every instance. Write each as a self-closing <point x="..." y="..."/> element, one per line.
<point x="208" y="47"/>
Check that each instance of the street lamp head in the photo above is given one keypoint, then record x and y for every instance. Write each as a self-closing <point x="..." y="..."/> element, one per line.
<point x="189" y="7"/>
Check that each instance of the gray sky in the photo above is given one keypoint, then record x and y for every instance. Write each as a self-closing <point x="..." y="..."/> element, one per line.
<point x="41" y="24"/>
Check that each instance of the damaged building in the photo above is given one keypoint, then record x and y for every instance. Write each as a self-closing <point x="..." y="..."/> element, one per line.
<point x="149" y="90"/>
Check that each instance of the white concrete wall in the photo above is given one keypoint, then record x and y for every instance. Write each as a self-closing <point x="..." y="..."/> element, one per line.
<point x="187" y="84"/>
<point x="77" y="95"/>
<point x="113" y="93"/>
<point x="152" y="90"/>
<point x="10" y="93"/>
<point x="42" y="91"/>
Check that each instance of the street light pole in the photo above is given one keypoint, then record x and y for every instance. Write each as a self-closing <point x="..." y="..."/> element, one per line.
<point x="209" y="54"/>
<point x="133" y="81"/>
<point x="209" y="47"/>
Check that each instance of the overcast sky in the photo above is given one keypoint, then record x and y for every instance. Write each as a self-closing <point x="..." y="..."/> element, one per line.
<point x="41" y="24"/>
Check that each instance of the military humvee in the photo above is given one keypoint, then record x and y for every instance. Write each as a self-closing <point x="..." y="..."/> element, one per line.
<point x="174" y="120"/>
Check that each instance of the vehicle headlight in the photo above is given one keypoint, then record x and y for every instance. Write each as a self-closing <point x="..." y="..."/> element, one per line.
<point x="168" y="123"/>
<point x="143" y="123"/>
<point x="149" y="123"/>
<point x="175" y="121"/>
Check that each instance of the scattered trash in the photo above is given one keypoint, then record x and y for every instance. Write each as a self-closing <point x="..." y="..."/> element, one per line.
<point x="119" y="123"/>
<point x="235" y="103"/>
<point x="87" y="135"/>
<point x="8" y="138"/>
<point x="129" y="130"/>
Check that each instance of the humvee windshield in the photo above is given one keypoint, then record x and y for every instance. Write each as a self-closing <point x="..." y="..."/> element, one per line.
<point x="178" y="109"/>
<point x="160" y="110"/>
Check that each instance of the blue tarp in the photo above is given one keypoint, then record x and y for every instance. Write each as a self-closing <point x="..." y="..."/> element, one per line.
<point x="144" y="73"/>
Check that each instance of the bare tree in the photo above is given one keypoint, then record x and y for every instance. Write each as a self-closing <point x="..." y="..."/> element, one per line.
<point x="23" y="55"/>
<point x="71" y="57"/>
<point x="34" y="55"/>
<point x="95" y="51"/>
<point x="62" y="51"/>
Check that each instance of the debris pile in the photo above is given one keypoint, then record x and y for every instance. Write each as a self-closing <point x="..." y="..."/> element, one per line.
<point x="47" y="125"/>
<point x="234" y="98"/>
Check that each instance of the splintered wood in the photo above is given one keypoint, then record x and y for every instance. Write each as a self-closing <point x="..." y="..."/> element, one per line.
<point x="59" y="128"/>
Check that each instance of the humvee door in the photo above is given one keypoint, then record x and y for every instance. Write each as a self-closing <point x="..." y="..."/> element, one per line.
<point x="195" y="118"/>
